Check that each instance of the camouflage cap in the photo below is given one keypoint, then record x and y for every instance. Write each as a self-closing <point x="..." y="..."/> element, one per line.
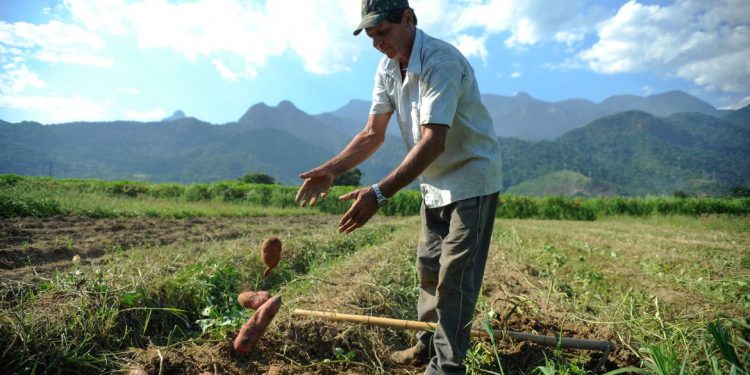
<point x="375" y="11"/>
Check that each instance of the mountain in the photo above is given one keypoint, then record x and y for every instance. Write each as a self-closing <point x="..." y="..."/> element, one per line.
<point x="521" y="116"/>
<point x="282" y="141"/>
<point x="630" y="153"/>
<point x="566" y="183"/>
<point x="524" y="117"/>
<point x="352" y="117"/>
<point x="641" y="154"/>
<point x="177" y="115"/>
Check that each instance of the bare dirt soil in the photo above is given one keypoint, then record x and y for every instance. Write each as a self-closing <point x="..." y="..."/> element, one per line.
<point x="42" y="244"/>
<point x="293" y="346"/>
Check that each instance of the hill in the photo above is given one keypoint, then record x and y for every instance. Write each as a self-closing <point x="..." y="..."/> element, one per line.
<point x="632" y="152"/>
<point x="522" y="116"/>
<point x="282" y="141"/>
<point x="525" y="117"/>
<point x="641" y="154"/>
<point x="566" y="183"/>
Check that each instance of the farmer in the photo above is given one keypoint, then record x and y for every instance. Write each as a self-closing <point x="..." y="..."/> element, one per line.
<point x="452" y="149"/>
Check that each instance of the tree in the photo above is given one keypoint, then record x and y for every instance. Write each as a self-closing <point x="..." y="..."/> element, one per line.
<point x="257" y="178"/>
<point x="350" y="178"/>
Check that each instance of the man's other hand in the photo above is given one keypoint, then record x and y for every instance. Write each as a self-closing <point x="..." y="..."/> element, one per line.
<point x="364" y="207"/>
<point x="316" y="185"/>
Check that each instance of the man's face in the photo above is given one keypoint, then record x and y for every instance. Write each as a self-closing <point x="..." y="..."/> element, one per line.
<point x="392" y="39"/>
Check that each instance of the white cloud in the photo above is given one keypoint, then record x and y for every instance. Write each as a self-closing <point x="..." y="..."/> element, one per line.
<point x="52" y="42"/>
<point x="16" y="82"/>
<point x="515" y="75"/>
<point x="232" y="32"/>
<point x="736" y="103"/>
<point x="231" y="74"/>
<point x="15" y="79"/>
<point x="55" y="108"/>
<point x="151" y="115"/>
<point x="472" y="46"/>
<point x="524" y="22"/>
<point x="74" y="58"/>
<point x="569" y="37"/>
<point x="129" y="90"/>
<point x="707" y="43"/>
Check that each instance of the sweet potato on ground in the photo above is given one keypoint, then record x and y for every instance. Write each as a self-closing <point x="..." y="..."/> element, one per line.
<point x="256" y="326"/>
<point x="252" y="299"/>
<point x="270" y="253"/>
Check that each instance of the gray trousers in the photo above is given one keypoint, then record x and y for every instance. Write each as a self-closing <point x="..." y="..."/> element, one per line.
<point x="451" y="256"/>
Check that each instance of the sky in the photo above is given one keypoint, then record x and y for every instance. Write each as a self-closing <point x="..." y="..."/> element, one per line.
<point x="141" y="60"/>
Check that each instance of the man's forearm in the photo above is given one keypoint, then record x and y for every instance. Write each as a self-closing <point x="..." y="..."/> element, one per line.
<point x="361" y="147"/>
<point x="416" y="161"/>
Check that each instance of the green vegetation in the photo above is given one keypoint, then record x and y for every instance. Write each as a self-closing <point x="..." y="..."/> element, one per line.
<point x="671" y="291"/>
<point x="44" y="197"/>
<point x="258" y="178"/>
<point x="638" y="154"/>
<point x="631" y="153"/>
<point x="350" y="178"/>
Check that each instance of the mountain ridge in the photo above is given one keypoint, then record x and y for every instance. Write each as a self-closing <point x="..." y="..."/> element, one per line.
<point x="630" y="152"/>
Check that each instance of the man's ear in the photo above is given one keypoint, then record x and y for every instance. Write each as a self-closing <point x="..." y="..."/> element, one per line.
<point x="408" y="17"/>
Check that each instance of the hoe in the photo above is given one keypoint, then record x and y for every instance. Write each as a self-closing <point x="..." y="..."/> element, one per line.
<point x="565" y="342"/>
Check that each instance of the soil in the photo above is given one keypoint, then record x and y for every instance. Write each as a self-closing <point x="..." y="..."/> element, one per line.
<point x="31" y="245"/>
<point x="299" y="346"/>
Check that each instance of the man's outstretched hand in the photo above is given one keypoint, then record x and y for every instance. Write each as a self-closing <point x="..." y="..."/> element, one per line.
<point x="316" y="185"/>
<point x="364" y="207"/>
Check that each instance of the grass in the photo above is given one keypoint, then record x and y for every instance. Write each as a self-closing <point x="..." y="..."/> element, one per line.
<point x="672" y="292"/>
<point x="656" y="284"/>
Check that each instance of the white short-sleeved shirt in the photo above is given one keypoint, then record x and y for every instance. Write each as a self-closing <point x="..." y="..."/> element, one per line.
<point x="440" y="88"/>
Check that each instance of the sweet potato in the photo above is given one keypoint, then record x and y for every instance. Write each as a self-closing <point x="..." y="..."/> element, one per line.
<point x="253" y="300"/>
<point x="256" y="326"/>
<point x="270" y="252"/>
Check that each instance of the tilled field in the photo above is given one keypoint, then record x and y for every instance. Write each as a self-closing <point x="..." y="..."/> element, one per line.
<point x="372" y="277"/>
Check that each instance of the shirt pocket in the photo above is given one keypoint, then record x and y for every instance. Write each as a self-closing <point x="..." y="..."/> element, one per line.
<point x="416" y="128"/>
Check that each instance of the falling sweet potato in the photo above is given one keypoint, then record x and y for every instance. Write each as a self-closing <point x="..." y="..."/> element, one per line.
<point x="256" y="326"/>
<point x="253" y="300"/>
<point x="270" y="252"/>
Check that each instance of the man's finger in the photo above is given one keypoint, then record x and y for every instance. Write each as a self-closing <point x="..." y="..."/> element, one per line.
<point x="347" y="196"/>
<point x="309" y="174"/>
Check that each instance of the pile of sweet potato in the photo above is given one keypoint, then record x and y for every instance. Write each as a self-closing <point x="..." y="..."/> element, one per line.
<point x="265" y="306"/>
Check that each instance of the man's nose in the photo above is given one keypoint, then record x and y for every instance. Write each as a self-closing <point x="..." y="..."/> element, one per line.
<point x="376" y="42"/>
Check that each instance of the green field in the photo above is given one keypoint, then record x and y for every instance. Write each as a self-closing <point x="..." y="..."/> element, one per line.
<point x="106" y="277"/>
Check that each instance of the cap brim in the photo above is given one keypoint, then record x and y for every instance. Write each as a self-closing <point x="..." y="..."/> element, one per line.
<point x="370" y="20"/>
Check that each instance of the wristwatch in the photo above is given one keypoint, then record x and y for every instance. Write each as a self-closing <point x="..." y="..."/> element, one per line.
<point x="382" y="200"/>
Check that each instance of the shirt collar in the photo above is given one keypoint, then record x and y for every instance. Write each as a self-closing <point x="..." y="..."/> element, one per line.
<point x="415" y="60"/>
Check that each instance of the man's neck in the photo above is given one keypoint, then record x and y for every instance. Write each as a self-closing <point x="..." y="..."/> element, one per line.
<point x="404" y="60"/>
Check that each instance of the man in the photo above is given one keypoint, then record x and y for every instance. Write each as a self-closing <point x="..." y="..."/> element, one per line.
<point x="455" y="153"/>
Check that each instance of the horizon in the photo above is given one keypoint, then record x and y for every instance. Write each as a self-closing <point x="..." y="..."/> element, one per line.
<point x="82" y="60"/>
<point x="187" y="114"/>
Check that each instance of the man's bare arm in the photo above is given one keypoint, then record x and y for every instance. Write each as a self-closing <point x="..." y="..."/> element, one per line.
<point x="429" y="148"/>
<point x="416" y="161"/>
<point x="363" y="145"/>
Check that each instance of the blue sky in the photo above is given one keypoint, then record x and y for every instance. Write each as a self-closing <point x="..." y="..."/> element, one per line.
<point x="104" y="60"/>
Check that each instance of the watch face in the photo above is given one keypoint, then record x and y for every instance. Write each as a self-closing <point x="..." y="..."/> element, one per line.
<point x="382" y="202"/>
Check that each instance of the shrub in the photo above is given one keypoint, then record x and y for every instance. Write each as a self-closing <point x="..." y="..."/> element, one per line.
<point x="13" y="204"/>
<point x="7" y="180"/>
<point x="257" y="178"/>
<point x="126" y="188"/>
<point x="197" y="192"/>
<point x="166" y="190"/>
